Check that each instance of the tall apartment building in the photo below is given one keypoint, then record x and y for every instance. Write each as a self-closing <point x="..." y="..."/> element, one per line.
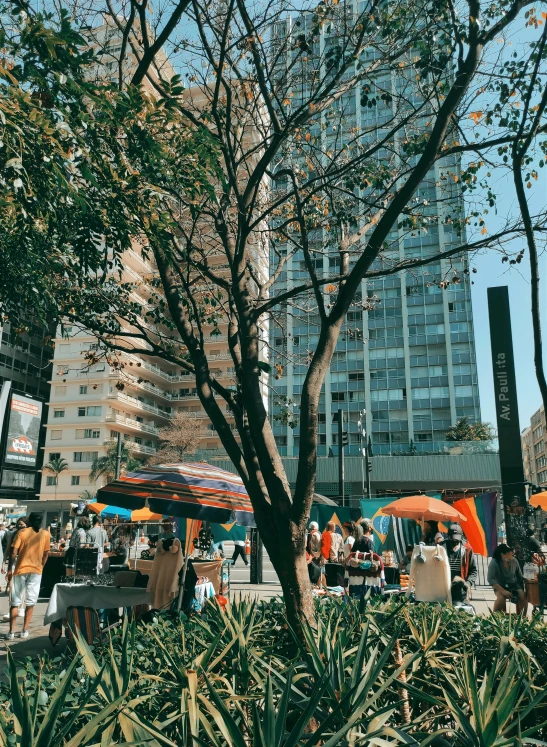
<point x="534" y="449"/>
<point x="410" y="362"/>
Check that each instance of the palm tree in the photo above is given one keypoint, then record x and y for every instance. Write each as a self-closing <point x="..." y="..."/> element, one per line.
<point x="105" y="466"/>
<point x="87" y="496"/>
<point x="56" y="466"/>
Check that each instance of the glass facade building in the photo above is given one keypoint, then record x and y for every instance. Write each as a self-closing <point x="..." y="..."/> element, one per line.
<point x="406" y="353"/>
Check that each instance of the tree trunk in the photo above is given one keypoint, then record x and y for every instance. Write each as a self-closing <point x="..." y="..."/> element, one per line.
<point x="285" y="543"/>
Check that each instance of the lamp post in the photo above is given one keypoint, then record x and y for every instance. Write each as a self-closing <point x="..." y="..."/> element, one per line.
<point x="361" y="425"/>
<point x="342" y="442"/>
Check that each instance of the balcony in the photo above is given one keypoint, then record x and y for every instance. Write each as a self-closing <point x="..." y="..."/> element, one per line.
<point x="132" y="423"/>
<point x="203" y="414"/>
<point x="140" y="448"/>
<point x="126" y="399"/>
<point x="166" y="375"/>
<point x="142" y="264"/>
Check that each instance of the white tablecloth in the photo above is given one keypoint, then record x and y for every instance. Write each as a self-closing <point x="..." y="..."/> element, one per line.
<point x="97" y="597"/>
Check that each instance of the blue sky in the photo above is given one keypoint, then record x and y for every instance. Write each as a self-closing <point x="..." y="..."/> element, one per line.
<point x="492" y="272"/>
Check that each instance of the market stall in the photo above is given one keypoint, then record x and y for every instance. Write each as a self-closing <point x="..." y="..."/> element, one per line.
<point x="199" y="492"/>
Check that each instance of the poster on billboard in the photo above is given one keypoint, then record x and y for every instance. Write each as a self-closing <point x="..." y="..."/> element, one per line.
<point x="23" y="431"/>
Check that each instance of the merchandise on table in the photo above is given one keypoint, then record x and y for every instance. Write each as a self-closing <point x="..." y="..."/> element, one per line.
<point x="365" y="570"/>
<point x="430" y="574"/>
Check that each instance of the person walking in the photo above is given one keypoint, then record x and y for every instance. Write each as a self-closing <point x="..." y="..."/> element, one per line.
<point x="239" y="551"/>
<point x="8" y="564"/>
<point x="505" y="577"/>
<point x="97" y="537"/>
<point x="313" y="553"/>
<point x="31" y="549"/>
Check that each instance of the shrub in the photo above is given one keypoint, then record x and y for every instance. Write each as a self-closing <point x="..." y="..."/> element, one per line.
<point x="387" y="675"/>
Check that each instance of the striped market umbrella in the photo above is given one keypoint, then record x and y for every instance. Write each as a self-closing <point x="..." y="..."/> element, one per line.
<point x="123" y="514"/>
<point x="194" y="491"/>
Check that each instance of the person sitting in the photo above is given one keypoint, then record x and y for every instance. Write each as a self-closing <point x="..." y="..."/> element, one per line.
<point x="407" y="560"/>
<point x="460" y="557"/>
<point x="505" y="577"/>
<point x="459" y="592"/>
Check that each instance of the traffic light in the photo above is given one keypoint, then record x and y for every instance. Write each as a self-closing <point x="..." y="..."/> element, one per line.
<point x="345" y="439"/>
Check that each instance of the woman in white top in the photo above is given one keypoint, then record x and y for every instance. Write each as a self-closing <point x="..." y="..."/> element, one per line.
<point x="355" y="535"/>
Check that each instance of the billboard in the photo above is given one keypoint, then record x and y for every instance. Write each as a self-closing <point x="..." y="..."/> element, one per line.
<point x="24" y="418"/>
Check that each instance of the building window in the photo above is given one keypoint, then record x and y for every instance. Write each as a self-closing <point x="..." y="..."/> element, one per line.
<point x="58" y="413"/>
<point x="357" y="376"/>
<point x="83" y="389"/>
<point x="85" y="456"/>
<point x="75" y="480"/>
<point x="60" y="390"/>
<point x="338" y="396"/>
<point x="54" y="455"/>
<point x="90" y="433"/>
<point x="56" y="435"/>
<point x="93" y="410"/>
<point x="51" y="480"/>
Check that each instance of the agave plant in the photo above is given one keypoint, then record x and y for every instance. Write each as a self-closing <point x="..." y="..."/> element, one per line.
<point x="35" y="720"/>
<point x="117" y="683"/>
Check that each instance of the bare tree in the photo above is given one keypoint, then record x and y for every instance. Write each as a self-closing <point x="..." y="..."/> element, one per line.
<point x="526" y="151"/>
<point x="181" y="437"/>
<point x="299" y="206"/>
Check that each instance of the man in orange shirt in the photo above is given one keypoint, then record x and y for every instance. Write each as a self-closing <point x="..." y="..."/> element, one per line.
<point x="31" y="547"/>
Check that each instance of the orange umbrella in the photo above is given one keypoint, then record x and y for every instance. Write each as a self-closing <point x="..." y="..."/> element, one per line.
<point x="422" y="508"/>
<point x="124" y="514"/>
<point x="539" y="500"/>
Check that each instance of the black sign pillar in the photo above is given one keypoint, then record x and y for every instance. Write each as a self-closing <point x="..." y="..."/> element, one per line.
<point x="256" y="557"/>
<point x="507" y="415"/>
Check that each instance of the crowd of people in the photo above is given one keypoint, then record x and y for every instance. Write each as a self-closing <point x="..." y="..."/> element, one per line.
<point x="25" y="548"/>
<point x="504" y="571"/>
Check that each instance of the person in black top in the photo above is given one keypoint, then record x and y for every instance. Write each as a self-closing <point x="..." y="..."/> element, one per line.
<point x="534" y="545"/>
<point x="431" y="532"/>
<point x="543" y="533"/>
<point x="366" y="543"/>
<point x="460" y="556"/>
